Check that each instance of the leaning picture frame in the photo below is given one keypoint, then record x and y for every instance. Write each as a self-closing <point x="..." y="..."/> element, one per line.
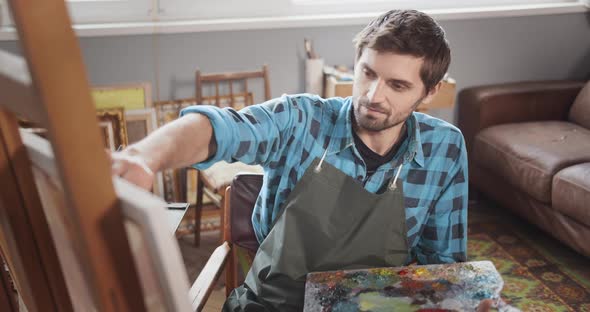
<point x="129" y="96"/>
<point x="140" y="123"/>
<point x="113" y="120"/>
<point x="106" y="129"/>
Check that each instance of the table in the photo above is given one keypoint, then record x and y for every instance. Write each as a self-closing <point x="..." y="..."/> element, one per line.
<point x="457" y="286"/>
<point x="175" y="212"/>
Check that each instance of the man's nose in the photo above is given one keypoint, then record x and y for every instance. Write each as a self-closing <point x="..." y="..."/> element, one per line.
<point x="376" y="91"/>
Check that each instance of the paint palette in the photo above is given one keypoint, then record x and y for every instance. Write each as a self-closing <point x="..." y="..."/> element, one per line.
<point x="441" y="287"/>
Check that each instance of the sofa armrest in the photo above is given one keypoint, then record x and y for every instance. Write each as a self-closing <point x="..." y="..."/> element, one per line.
<point x="485" y="106"/>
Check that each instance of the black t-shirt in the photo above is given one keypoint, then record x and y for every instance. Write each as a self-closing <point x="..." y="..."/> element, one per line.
<point x="372" y="159"/>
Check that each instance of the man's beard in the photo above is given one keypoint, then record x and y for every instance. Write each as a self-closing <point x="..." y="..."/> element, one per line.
<point x="386" y="122"/>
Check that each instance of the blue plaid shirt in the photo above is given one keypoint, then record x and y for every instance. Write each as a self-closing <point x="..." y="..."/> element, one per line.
<point x="284" y="135"/>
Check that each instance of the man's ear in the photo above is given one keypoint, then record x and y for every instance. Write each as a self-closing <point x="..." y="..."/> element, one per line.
<point x="432" y="93"/>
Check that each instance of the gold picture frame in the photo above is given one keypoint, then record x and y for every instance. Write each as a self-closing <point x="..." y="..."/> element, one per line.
<point x="167" y="111"/>
<point x="112" y="121"/>
<point x="108" y="135"/>
<point x="241" y="100"/>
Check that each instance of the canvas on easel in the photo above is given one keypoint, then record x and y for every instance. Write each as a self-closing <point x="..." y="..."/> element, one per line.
<point x="156" y="253"/>
<point x="73" y="238"/>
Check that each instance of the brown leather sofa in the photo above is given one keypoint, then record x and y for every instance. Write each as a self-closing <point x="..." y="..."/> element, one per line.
<point x="529" y="149"/>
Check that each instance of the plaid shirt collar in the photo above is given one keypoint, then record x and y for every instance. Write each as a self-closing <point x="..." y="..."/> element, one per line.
<point x="343" y="128"/>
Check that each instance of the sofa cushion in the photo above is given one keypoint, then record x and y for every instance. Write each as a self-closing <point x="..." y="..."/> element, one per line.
<point x="571" y="192"/>
<point x="528" y="154"/>
<point x="580" y="111"/>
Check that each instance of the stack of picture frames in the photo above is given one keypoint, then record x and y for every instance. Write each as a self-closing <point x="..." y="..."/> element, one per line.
<point x="126" y="115"/>
<point x="180" y="185"/>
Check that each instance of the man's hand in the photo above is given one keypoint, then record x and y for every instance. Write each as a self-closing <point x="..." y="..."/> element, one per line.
<point x="132" y="168"/>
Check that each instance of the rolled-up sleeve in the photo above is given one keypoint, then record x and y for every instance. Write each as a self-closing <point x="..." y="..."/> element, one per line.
<point x="447" y="220"/>
<point x="252" y="135"/>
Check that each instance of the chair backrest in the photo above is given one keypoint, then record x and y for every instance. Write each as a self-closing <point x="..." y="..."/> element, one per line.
<point x="224" y="93"/>
<point x="244" y="192"/>
<point x="240" y="198"/>
<point x="64" y="227"/>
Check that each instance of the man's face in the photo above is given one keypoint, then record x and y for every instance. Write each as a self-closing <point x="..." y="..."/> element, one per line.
<point x="387" y="88"/>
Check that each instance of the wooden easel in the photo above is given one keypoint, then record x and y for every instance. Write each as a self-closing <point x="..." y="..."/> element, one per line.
<point x="49" y="87"/>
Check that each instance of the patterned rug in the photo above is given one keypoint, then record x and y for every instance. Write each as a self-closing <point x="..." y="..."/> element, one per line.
<point x="534" y="279"/>
<point x="210" y="221"/>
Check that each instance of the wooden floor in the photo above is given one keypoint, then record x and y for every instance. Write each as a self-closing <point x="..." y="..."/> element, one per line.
<point x="196" y="257"/>
<point x="215" y="301"/>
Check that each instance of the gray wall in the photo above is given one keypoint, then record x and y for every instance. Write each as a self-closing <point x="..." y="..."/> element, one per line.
<point x="484" y="51"/>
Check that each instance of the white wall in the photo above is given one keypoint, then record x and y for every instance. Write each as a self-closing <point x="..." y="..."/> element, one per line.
<point x="484" y="51"/>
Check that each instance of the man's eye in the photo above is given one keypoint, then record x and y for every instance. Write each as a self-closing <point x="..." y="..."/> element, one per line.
<point x="368" y="73"/>
<point x="397" y="86"/>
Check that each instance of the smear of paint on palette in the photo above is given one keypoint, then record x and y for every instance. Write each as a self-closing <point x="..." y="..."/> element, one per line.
<point x="445" y="287"/>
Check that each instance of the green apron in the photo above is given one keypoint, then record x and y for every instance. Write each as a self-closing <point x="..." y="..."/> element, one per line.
<point x="329" y="222"/>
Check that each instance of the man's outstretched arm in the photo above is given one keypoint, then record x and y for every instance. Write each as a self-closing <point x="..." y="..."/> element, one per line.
<point x="180" y="143"/>
<point x="204" y="135"/>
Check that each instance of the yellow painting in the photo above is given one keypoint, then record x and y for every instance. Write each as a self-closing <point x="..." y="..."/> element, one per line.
<point x="128" y="96"/>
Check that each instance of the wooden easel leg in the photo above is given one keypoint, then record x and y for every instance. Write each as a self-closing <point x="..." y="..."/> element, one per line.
<point x="198" y="210"/>
<point x="7" y="299"/>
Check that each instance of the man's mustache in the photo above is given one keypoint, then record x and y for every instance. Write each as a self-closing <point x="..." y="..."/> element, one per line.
<point x="364" y="101"/>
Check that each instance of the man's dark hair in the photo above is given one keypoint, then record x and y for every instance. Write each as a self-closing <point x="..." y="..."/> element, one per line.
<point x="413" y="33"/>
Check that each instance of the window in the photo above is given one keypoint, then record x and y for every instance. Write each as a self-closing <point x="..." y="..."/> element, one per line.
<point x="166" y="16"/>
<point x="358" y="6"/>
<point x="102" y="11"/>
<point x="223" y="9"/>
<point x="98" y="11"/>
<point x="228" y="9"/>
<point x="4" y="19"/>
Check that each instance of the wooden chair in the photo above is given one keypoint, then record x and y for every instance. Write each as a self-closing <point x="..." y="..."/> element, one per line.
<point x="74" y="237"/>
<point x="213" y="181"/>
<point x="240" y="197"/>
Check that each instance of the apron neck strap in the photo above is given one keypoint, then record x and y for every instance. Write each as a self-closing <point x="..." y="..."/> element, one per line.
<point x="393" y="185"/>
<point x="318" y="168"/>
